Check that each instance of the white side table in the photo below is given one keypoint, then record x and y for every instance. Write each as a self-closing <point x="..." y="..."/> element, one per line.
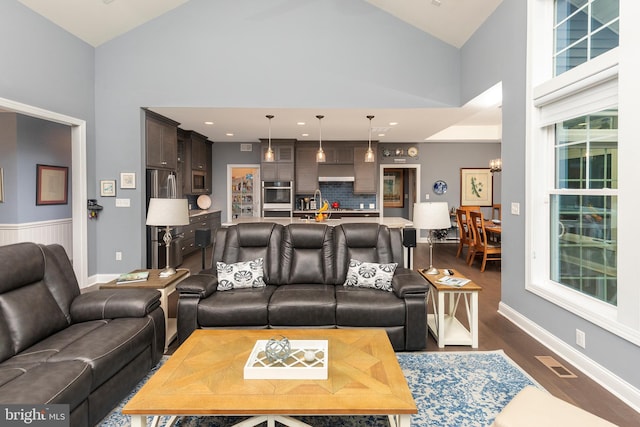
<point x="166" y="286"/>
<point x="445" y="301"/>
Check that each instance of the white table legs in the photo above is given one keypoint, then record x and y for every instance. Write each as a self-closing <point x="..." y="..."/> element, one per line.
<point x="444" y="325"/>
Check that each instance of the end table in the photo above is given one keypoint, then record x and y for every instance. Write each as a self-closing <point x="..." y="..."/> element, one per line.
<point x="166" y="286"/>
<point x="443" y="324"/>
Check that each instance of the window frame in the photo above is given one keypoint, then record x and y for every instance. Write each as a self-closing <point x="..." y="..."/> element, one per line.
<point x="571" y="92"/>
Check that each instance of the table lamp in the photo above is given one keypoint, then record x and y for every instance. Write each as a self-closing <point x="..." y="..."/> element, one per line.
<point x="168" y="213"/>
<point x="431" y="216"/>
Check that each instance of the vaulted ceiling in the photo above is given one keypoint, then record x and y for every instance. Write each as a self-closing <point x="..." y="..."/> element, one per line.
<point x="452" y="21"/>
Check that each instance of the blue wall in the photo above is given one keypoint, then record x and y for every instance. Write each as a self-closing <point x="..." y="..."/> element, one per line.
<point x="33" y="142"/>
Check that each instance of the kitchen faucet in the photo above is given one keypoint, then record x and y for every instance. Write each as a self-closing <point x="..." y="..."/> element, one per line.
<point x="317" y="195"/>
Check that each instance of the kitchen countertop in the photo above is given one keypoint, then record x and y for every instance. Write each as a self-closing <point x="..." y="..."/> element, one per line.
<point x="198" y="212"/>
<point x="314" y="211"/>
<point x="391" y="222"/>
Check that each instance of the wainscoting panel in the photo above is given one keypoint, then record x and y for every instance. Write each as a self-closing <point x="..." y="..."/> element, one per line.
<point x="46" y="232"/>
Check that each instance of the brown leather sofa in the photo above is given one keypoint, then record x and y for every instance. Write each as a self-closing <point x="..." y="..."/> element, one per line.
<point x="58" y="346"/>
<point x="305" y="266"/>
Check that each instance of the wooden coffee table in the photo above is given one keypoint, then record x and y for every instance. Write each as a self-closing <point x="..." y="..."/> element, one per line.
<point x="205" y="376"/>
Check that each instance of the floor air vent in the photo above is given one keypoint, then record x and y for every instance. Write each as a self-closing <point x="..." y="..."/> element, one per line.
<point x="556" y="367"/>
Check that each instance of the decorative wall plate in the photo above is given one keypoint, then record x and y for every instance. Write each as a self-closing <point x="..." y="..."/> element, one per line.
<point x="439" y="187"/>
<point x="412" y="151"/>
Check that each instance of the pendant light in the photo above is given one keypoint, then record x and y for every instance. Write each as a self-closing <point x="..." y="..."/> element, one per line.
<point x="320" y="156"/>
<point x="269" y="156"/>
<point x="369" y="156"/>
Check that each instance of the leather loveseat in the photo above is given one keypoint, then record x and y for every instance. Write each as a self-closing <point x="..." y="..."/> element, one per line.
<point x="58" y="346"/>
<point x="305" y="268"/>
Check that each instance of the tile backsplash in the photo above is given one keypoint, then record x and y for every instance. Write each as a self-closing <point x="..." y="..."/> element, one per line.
<point x="342" y="192"/>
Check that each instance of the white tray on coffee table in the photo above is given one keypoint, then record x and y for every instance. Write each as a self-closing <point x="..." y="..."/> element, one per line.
<point x="294" y="367"/>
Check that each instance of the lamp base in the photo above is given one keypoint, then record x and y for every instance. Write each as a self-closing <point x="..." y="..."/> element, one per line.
<point x="169" y="271"/>
<point x="432" y="270"/>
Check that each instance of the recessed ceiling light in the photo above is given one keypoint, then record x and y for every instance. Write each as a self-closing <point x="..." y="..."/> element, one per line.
<point x="301" y="123"/>
<point x="229" y="134"/>
<point x="208" y="123"/>
<point x="381" y="134"/>
<point x="436" y="2"/>
<point x="393" y="123"/>
<point x="305" y="134"/>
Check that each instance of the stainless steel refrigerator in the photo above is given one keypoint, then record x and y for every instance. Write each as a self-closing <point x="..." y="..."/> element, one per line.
<point x="162" y="184"/>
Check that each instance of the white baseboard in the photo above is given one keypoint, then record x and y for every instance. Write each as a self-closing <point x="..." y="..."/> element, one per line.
<point x="607" y="379"/>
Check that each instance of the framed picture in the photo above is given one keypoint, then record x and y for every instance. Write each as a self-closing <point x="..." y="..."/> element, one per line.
<point x="476" y="187"/>
<point x="127" y="180"/>
<point x="1" y="186"/>
<point x="108" y="188"/>
<point x="51" y="185"/>
<point x="393" y="194"/>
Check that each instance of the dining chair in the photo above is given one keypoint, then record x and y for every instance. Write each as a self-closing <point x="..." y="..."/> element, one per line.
<point x="496" y="211"/>
<point x="465" y="233"/>
<point x="482" y="246"/>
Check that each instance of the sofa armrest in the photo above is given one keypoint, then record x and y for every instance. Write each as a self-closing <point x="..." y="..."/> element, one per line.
<point x="406" y="281"/>
<point x="114" y="303"/>
<point x="199" y="285"/>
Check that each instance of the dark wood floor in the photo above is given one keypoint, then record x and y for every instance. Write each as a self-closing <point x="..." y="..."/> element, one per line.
<point x="496" y="333"/>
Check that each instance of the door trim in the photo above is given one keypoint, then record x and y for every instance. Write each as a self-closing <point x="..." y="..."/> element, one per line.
<point x="78" y="179"/>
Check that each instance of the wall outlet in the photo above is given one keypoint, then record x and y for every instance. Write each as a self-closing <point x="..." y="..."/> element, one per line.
<point x="118" y="256"/>
<point x="580" y="338"/>
<point x="426" y="196"/>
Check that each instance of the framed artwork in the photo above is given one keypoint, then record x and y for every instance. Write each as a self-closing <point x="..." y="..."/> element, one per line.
<point x="108" y="188"/>
<point x="51" y="185"/>
<point x="127" y="180"/>
<point x="393" y="194"/>
<point x="1" y="186"/>
<point x="476" y="187"/>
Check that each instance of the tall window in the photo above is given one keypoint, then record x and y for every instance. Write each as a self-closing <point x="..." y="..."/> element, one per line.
<point x="583" y="210"/>
<point x="584" y="29"/>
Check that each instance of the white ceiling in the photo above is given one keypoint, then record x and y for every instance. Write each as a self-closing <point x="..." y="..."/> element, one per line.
<point x="453" y="21"/>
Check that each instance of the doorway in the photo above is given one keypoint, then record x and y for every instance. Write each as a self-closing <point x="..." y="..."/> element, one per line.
<point x="78" y="181"/>
<point x="243" y="191"/>
<point x="406" y="180"/>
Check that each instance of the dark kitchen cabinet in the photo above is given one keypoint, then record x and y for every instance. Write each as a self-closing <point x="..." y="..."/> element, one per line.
<point x="306" y="169"/>
<point x="282" y="168"/>
<point x="365" y="173"/>
<point x="209" y="221"/>
<point x="161" y="140"/>
<point x="198" y="150"/>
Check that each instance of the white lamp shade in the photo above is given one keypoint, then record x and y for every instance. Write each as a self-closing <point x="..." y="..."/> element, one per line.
<point x="168" y="212"/>
<point x="431" y="216"/>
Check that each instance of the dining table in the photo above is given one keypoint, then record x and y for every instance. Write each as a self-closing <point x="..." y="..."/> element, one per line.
<point x="493" y="227"/>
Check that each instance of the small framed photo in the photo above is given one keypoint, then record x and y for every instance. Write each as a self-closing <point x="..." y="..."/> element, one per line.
<point x="127" y="180"/>
<point x="108" y="188"/>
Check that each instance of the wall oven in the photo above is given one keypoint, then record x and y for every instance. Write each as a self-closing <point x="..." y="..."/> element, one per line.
<point x="277" y="198"/>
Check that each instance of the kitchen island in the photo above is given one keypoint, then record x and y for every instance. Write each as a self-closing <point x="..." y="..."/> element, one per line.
<point x="391" y="222"/>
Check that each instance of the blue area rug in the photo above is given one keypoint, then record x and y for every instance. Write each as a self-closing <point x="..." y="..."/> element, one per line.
<point x="461" y="389"/>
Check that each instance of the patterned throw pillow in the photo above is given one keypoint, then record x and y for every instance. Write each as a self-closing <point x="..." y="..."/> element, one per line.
<point x="370" y="275"/>
<point x="248" y="274"/>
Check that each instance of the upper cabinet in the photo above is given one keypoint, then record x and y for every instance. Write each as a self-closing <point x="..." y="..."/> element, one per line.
<point x="365" y="173"/>
<point x="198" y="162"/>
<point x="282" y="168"/>
<point x="306" y="168"/>
<point x="161" y="136"/>
<point x="340" y="153"/>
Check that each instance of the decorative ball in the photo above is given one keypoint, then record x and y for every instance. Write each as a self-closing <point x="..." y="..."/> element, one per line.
<point x="277" y="349"/>
<point x="309" y="356"/>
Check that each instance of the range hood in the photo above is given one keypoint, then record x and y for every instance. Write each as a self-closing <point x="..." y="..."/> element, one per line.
<point x="335" y="173"/>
